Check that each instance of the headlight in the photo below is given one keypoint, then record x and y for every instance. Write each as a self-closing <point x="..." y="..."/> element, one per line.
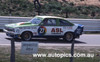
<point x="10" y="29"/>
<point x="13" y="29"/>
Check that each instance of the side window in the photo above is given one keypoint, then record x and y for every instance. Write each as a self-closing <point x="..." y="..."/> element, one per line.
<point x="49" y="22"/>
<point x="64" y="23"/>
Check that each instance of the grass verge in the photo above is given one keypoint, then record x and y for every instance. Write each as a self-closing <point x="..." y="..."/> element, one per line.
<point x="5" y="55"/>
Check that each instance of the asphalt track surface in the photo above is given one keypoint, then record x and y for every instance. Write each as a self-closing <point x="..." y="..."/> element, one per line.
<point x="84" y="40"/>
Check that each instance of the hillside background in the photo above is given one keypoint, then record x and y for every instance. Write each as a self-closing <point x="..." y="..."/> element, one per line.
<point x="63" y="8"/>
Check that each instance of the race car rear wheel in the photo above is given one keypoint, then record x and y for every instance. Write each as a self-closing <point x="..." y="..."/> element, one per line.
<point x="26" y="36"/>
<point x="69" y="36"/>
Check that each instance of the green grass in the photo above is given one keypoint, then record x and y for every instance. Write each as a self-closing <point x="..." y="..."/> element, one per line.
<point x="5" y="55"/>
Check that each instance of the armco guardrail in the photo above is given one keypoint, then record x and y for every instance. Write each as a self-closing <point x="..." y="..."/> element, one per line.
<point x="89" y="24"/>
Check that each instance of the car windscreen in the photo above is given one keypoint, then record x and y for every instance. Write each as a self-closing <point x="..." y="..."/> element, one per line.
<point x="36" y="20"/>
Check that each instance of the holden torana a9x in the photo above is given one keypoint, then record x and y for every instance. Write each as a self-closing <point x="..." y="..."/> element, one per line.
<point x="46" y="27"/>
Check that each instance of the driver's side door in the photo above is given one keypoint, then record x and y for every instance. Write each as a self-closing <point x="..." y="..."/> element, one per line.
<point x="49" y="28"/>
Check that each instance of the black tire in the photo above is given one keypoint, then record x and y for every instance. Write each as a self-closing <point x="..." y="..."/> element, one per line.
<point x="26" y="36"/>
<point x="69" y="37"/>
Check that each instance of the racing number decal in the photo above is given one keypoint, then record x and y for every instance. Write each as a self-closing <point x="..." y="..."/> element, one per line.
<point x="42" y="30"/>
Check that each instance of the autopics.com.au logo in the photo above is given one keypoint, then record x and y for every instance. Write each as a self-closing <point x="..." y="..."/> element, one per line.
<point x="42" y="30"/>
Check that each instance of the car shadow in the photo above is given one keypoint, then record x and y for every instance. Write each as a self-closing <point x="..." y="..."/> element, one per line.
<point x="44" y="40"/>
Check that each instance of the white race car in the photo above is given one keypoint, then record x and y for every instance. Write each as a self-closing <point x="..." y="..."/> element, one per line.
<point x="44" y="26"/>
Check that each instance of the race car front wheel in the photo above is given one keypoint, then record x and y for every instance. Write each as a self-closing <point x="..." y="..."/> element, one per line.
<point x="26" y="36"/>
<point x="69" y="36"/>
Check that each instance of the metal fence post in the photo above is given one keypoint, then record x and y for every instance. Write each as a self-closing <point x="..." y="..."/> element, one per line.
<point x="72" y="51"/>
<point x="12" y="57"/>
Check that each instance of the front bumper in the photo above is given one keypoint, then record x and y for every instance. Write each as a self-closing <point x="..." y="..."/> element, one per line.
<point x="11" y="34"/>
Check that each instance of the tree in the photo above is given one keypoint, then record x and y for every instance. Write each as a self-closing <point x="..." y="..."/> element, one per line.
<point x="37" y="7"/>
<point x="37" y="1"/>
<point x="68" y="10"/>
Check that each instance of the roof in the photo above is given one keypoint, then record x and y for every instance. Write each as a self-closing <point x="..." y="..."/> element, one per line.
<point x="50" y="17"/>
